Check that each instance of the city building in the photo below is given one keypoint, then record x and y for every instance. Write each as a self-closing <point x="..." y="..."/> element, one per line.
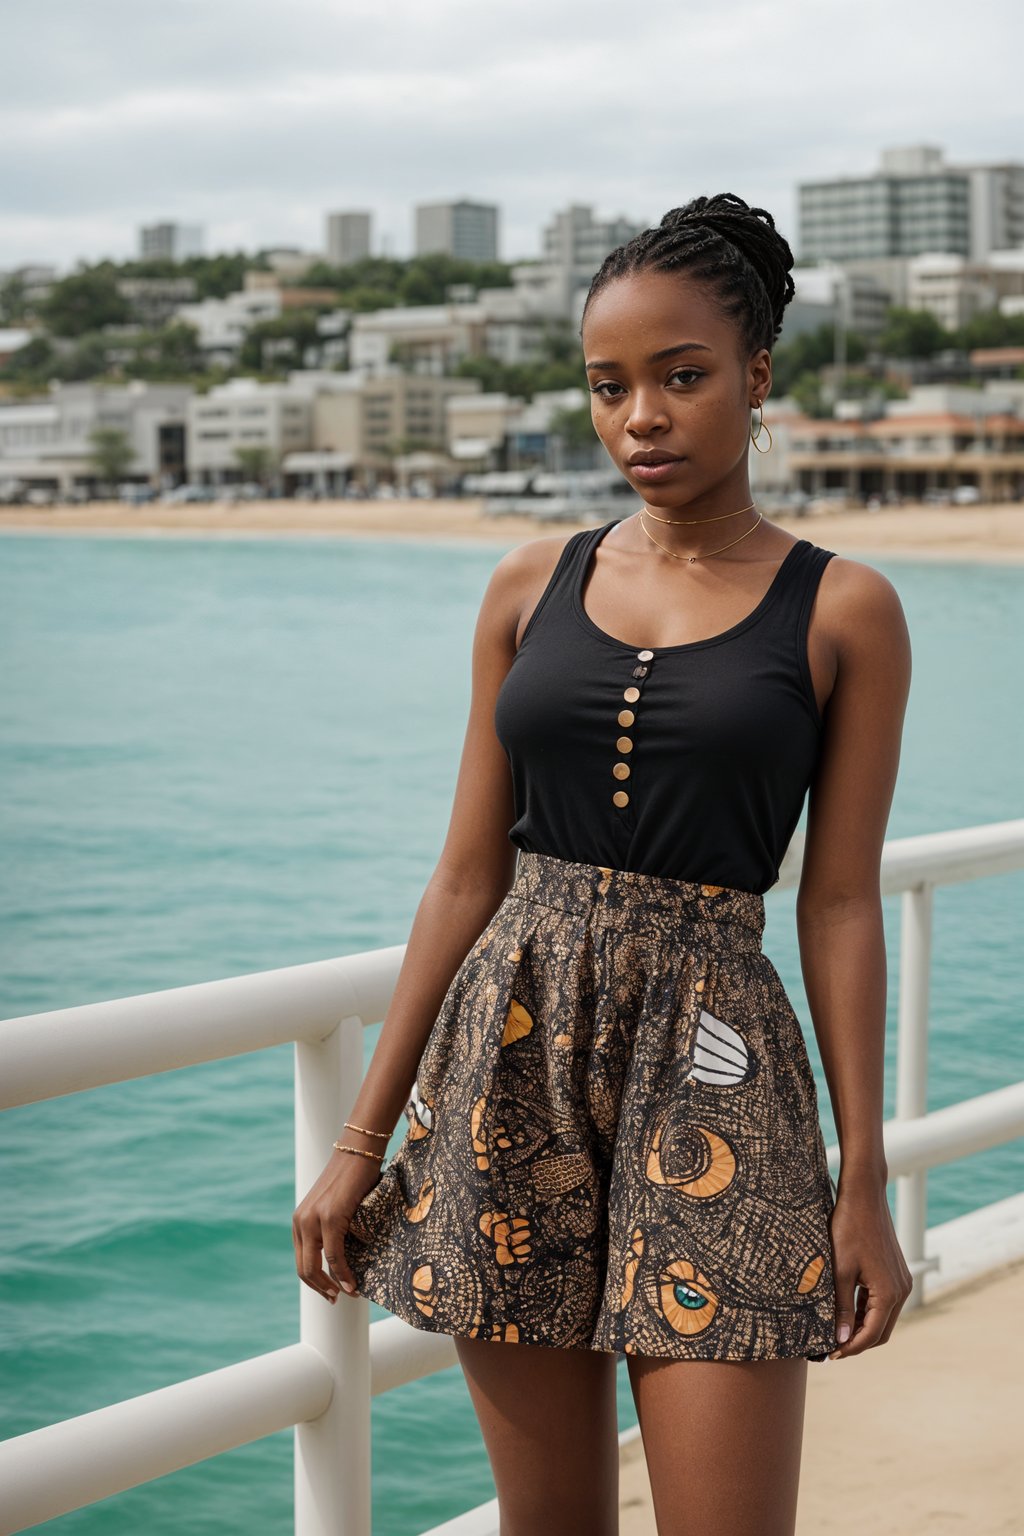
<point x="951" y="288"/>
<point x="914" y="204"/>
<point x="574" y="244"/>
<point x="45" y="443"/>
<point x="241" y="414"/>
<point x="156" y="300"/>
<point x="422" y="338"/>
<point x="827" y="293"/>
<point x="348" y="237"/>
<point x="221" y="324"/>
<point x="478" y="426"/>
<point x="467" y="231"/>
<point x="170" y="242"/>
<point x="375" y="419"/>
<point x="997" y="209"/>
<point x="501" y="323"/>
<point x="33" y="280"/>
<point x="939" y="439"/>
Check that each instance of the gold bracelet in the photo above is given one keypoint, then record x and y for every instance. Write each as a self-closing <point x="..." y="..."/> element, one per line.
<point x="344" y="1147"/>
<point x="386" y="1134"/>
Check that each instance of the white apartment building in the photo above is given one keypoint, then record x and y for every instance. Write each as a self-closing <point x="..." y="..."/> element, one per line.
<point x="45" y="442"/>
<point x="349" y="237"/>
<point x="243" y="413"/>
<point x="996" y="209"/>
<point x="222" y="323"/>
<point x="466" y="230"/>
<point x="170" y="242"/>
<point x="916" y="203"/>
<point x="950" y="287"/>
<point x="503" y="323"/>
<point x="425" y="339"/>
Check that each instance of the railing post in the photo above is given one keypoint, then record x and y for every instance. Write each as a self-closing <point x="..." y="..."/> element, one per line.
<point x="332" y="1452"/>
<point x="912" y="1073"/>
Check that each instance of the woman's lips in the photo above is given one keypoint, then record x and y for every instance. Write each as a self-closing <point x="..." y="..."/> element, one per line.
<point x="652" y="473"/>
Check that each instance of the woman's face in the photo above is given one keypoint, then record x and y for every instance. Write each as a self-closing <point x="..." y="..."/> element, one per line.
<point x="668" y="385"/>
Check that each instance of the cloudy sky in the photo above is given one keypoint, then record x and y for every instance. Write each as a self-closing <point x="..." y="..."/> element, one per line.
<point x="253" y="119"/>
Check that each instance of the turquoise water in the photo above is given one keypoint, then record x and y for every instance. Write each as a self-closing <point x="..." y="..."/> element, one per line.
<point x="223" y="756"/>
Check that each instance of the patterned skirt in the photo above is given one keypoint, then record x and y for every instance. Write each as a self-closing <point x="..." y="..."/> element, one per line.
<point x="613" y="1138"/>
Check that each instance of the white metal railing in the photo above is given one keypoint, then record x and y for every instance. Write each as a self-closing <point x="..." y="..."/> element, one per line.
<point x="323" y="1008"/>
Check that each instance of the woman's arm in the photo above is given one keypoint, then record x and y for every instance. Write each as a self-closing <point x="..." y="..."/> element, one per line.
<point x="841" y="937"/>
<point x="473" y="874"/>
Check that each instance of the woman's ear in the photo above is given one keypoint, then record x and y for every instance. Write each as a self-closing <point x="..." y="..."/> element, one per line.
<point x="759" y="374"/>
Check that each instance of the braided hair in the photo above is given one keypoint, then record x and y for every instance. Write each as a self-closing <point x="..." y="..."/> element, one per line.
<point x="726" y="243"/>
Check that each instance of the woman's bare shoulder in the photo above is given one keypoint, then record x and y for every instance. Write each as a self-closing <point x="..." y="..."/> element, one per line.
<point x="523" y="573"/>
<point x="855" y="594"/>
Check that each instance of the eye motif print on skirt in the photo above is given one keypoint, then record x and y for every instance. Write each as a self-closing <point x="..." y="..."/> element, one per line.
<point x="686" y="1299"/>
<point x="691" y="1160"/>
<point x="720" y="1055"/>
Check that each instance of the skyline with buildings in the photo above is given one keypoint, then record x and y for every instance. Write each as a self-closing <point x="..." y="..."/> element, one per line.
<point x="914" y="203"/>
<point x="255" y="132"/>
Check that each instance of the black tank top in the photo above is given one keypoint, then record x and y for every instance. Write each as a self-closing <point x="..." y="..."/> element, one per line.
<point x="691" y="761"/>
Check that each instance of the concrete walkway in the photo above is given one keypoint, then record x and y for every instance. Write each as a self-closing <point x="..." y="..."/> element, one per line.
<point x="921" y="1435"/>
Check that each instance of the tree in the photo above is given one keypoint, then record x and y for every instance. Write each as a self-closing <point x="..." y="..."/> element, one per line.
<point x="913" y="333"/>
<point x="807" y="353"/>
<point x="111" y="454"/>
<point x="14" y="305"/>
<point x="991" y="328"/>
<point x="806" y="391"/>
<point x="256" y="462"/>
<point x="85" y="301"/>
<point x="282" y="341"/>
<point x="575" y="428"/>
<point x="33" y="363"/>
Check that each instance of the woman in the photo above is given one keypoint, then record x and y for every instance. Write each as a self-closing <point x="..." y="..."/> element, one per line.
<point x="613" y="1145"/>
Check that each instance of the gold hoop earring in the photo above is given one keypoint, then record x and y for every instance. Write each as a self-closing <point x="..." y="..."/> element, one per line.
<point x="762" y="425"/>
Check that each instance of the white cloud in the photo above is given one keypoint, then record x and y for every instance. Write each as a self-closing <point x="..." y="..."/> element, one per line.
<point x="255" y="121"/>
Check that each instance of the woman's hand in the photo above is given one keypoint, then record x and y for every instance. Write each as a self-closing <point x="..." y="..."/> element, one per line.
<point x="322" y="1220"/>
<point x="866" y="1254"/>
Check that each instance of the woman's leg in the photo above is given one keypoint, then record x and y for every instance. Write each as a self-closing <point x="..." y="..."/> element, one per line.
<point x="722" y="1441"/>
<point x="549" y="1423"/>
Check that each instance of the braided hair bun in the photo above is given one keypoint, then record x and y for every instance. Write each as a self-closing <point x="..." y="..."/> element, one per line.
<point x="723" y="240"/>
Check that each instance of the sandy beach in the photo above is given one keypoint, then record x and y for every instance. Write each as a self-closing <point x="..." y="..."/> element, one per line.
<point x="972" y="533"/>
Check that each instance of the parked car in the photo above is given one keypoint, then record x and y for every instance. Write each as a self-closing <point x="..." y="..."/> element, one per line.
<point x="966" y="495"/>
<point x="182" y="494"/>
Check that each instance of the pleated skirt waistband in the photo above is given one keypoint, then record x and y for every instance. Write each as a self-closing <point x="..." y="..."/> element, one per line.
<point x="627" y="899"/>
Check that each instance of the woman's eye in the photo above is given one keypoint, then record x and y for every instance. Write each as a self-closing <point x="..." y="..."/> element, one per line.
<point x="690" y="374"/>
<point x="602" y="390"/>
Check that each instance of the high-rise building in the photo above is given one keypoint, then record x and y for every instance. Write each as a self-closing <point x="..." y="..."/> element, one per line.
<point x="914" y="204"/>
<point x="574" y="246"/>
<point x="574" y="238"/>
<point x="997" y="208"/>
<point x="170" y="242"/>
<point x="468" y="231"/>
<point x="348" y="237"/>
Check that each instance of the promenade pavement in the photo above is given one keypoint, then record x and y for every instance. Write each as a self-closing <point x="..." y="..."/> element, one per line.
<point x="921" y="1435"/>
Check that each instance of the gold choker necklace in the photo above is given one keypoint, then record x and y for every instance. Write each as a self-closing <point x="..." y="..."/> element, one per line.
<point x="689" y="522"/>
<point x="708" y="552"/>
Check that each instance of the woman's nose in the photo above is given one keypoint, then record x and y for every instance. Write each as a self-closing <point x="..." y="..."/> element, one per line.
<point x="646" y="412"/>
